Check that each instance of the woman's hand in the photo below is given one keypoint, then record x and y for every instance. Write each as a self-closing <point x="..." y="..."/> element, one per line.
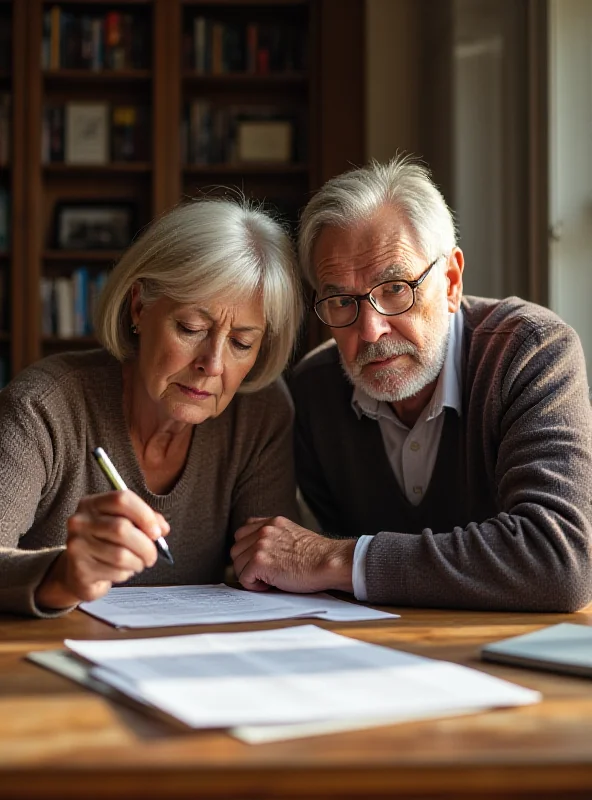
<point x="110" y="539"/>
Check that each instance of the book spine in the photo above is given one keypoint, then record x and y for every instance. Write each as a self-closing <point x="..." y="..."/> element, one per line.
<point x="64" y="295"/>
<point x="48" y="327"/>
<point x="217" y="66"/>
<point x="4" y="220"/>
<point x="54" y="44"/>
<point x="96" y="286"/>
<point x="112" y="36"/>
<point x="46" y="41"/>
<point x="86" y="42"/>
<point x="98" y="44"/>
<point x="80" y="301"/>
<point x="252" y="37"/>
<point x="56" y="133"/>
<point x="4" y="129"/>
<point x="199" y="45"/>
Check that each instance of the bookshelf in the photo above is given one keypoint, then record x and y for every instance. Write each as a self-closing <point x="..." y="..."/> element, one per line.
<point x="6" y="181"/>
<point x="245" y="74"/>
<point x="145" y="103"/>
<point x="96" y="75"/>
<point x="12" y="188"/>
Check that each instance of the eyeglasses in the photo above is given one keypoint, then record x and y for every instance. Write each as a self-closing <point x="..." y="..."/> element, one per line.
<point x="389" y="298"/>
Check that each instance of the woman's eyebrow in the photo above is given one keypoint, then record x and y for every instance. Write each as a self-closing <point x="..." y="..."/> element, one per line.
<point x="248" y="328"/>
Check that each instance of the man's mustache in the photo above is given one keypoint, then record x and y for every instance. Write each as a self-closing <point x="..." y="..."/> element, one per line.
<point x="382" y="349"/>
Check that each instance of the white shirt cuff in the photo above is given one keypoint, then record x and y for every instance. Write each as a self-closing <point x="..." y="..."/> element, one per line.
<point x="359" y="567"/>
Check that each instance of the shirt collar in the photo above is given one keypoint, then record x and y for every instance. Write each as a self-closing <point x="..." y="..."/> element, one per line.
<point x="447" y="393"/>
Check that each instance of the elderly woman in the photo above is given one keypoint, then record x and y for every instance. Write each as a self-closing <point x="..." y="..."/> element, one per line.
<point x="197" y="322"/>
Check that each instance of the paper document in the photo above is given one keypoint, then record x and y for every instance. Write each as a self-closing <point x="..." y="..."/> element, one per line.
<point x="164" y="606"/>
<point x="289" y="676"/>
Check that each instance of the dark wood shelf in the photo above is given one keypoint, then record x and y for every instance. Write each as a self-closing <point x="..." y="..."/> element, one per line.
<point x="99" y="256"/>
<point x="246" y="168"/>
<point x="318" y="89"/>
<point x="244" y="80"/>
<point x="113" y="3"/>
<point x="97" y="76"/>
<point x="214" y="3"/>
<point x="112" y="168"/>
<point x="71" y="341"/>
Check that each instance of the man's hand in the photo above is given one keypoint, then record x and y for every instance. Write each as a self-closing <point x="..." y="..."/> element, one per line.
<point x="277" y="552"/>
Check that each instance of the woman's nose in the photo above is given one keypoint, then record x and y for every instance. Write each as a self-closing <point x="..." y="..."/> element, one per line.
<point x="211" y="361"/>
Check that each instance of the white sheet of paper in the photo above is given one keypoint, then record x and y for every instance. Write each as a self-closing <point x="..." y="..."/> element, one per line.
<point x="288" y="676"/>
<point x="335" y="609"/>
<point x="167" y="606"/>
<point x="262" y="734"/>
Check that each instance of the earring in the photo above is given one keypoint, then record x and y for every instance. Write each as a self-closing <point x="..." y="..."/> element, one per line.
<point x="134" y="329"/>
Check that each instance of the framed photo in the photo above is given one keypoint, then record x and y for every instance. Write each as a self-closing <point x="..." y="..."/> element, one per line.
<point x="94" y="224"/>
<point x="87" y="133"/>
<point x="264" y="140"/>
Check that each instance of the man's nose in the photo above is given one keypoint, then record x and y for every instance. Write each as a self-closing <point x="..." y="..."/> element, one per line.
<point x="371" y="325"/>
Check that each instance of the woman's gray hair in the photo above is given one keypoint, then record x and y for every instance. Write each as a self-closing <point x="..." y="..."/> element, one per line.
<point x="355" y="196"/>
<point x="226" y="250"/>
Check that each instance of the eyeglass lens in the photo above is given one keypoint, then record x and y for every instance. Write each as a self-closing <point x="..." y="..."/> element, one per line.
<point x="387" y="298"/>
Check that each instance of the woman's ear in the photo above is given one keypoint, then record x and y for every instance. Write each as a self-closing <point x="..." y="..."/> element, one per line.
<point x="136" y="305"/>
<point x="454" y="273"/>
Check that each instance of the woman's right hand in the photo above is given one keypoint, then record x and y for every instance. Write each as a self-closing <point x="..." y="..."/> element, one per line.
<point x="110" y="538"/>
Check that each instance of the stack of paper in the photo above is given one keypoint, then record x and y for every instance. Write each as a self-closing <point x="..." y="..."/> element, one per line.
<point x="158" y="607"/>
<point x="276" y="683"/>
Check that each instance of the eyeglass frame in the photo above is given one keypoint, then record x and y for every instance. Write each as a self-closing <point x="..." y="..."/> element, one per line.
<point x="413" y="285"/>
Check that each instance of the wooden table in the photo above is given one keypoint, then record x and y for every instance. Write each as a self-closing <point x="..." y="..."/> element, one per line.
<point x="60" y="740"/>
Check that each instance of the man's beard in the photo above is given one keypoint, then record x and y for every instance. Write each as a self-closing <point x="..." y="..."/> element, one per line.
<point x="395" y="383"/>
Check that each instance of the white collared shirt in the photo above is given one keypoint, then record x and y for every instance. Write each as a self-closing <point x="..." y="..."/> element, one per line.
<point x="412" y="452"/>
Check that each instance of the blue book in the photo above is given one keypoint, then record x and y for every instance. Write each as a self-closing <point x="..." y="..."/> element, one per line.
<point x="82" y="324"/>
<point x="559" y="648"/>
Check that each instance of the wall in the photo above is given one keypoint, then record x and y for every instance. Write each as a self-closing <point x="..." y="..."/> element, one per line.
<point x="478" y="136"/>
<point x="392" y="77"/>
<point x="571" y="165"/>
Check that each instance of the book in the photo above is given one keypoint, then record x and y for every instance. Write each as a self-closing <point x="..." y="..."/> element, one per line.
<point x="48" y="309"/>
<point x="4" y="220"/>
<point x="565" y="648"/>
<point x="124" y="122"/>
<point x="80" y="301"/>
<point x="5" y="123"/>
<point x="64" y="300"/>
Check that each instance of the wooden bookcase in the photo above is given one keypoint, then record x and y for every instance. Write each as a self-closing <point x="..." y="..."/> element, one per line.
<point x="12" y="188"/>
<point x="264" y="96"/>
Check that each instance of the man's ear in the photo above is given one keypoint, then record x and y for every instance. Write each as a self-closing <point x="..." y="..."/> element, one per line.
<point x="136" y="304"/>
<point x="454" y="284"/>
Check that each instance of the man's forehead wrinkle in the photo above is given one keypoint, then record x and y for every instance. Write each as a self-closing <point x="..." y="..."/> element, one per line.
<point x="389" y="261"/>
<point x="340" y="260"/>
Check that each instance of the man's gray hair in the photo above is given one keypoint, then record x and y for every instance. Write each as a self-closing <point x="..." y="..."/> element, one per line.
<point x="227" y="250"/>
<point x="355" y="196"/>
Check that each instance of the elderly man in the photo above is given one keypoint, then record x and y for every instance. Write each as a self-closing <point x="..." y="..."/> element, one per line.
<point x="443" y="443"/>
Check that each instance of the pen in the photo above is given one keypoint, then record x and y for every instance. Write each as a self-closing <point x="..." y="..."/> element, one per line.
<point x="117" y="483"/>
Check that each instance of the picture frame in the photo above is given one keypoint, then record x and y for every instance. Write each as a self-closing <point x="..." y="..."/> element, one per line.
<point x="87" y="133"/>
<point x="264" y="140"/>
<point x="94" y="224"/>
